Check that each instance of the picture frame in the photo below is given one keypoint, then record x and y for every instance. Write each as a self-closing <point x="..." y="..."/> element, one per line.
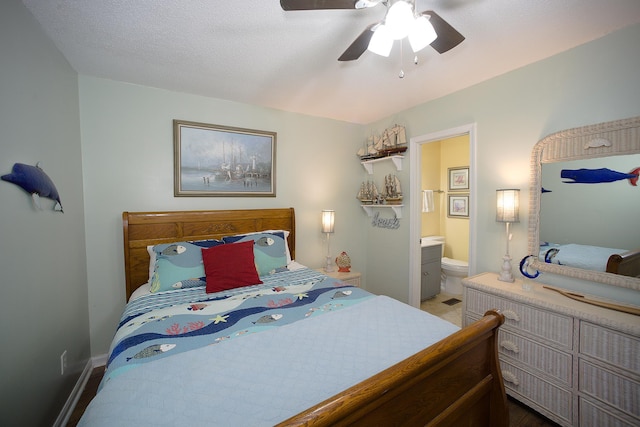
<point x="458" y="206"/>
<point x="459" y="178"/>
<point x="223" y="161"/>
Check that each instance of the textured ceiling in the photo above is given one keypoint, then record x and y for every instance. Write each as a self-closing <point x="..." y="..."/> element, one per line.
<point x="253" y="52"/>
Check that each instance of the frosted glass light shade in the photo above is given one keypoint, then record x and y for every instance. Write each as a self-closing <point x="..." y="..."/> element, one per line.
<point x="399" y="20"/>
<point x="422" y="34"/>
<point x="508" y="205"/>
<point x="328" y="219"/>
<point x="381" y="42"/>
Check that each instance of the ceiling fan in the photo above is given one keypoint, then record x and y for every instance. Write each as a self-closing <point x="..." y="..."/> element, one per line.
<point x="375" y="37"/>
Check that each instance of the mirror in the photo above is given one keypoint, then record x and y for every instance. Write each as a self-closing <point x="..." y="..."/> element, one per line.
<point x="577" y="228"/>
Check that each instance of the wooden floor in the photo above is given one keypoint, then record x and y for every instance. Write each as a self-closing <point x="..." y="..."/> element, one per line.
<point x="519" y="415"/>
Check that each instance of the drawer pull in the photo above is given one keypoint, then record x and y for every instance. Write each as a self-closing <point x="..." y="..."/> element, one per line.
<point x="511" y="315"/>
<point x="510" y="345"/>
<point x="510" y="378"/>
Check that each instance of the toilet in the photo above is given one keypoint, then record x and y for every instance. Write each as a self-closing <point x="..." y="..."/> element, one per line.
<point x="453" y="271"/>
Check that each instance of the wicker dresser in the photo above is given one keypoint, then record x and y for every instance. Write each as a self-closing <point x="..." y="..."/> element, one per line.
<point x="575" y="363"/>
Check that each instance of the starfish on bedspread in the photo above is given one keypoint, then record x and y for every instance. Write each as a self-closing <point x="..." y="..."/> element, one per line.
<point x="219" y="319"/>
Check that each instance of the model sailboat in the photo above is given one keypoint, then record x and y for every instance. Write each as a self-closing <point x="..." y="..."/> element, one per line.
<point x="368" y="193"/>
<point x="392" y="141"/>
<point x="392" y="190"/>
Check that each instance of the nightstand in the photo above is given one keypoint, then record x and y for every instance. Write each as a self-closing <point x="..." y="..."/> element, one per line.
<point x="352" y="277"/>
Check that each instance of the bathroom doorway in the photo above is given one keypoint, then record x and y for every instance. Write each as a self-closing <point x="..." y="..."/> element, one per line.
<point x="416" y="228"/>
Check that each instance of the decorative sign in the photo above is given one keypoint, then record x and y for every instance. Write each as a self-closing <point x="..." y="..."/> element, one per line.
<point x="390" y="223"/>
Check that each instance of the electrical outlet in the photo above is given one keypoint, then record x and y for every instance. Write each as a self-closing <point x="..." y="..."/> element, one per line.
<point x="63" y="362"/>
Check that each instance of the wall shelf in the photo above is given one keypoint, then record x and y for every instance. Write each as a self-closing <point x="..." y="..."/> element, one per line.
<point x="397" y="209"/>
<point x="368" y="164"/>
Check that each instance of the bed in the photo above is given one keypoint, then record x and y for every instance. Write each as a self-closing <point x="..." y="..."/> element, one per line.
<point x="353" y="358"/>
<point x="596" y="258"/>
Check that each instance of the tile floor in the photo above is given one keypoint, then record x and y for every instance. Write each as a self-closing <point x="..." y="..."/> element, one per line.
<point x="436" y="306"/>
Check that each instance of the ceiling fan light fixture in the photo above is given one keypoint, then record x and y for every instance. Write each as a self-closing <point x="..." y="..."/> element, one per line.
<point x="399" y="19"/>
<point x="381" y="41"/>
<point x="421" y="34"/>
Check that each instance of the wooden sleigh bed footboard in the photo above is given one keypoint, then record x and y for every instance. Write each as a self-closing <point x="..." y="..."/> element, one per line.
<point x="455" y="382"/>
<point x="626" y="264"/>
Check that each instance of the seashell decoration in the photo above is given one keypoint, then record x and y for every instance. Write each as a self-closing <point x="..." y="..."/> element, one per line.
<point x="343" y="262"/>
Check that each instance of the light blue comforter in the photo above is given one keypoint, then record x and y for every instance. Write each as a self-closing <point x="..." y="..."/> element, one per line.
<point x="244" y="378"/>
<point x="579" y="256"/>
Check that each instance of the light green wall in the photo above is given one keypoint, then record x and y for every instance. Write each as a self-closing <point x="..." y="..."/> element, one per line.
<point x="43" y="308"/>
<point x="127" y="157"/>
<point x="593" y="83"/>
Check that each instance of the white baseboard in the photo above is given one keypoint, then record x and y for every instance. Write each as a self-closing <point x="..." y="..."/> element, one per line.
<point x="72" y="400"/>
<point x="100" y="360"/>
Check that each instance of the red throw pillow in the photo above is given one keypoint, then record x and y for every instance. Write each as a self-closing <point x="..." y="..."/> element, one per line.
<point x="230" y="266"/>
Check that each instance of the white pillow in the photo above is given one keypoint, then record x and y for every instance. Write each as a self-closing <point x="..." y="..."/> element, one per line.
<point x="141" y="291"/>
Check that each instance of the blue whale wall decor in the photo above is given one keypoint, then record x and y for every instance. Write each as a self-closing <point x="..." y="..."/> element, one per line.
<point x="597" y="176"/>
<point x="35" y="182"/>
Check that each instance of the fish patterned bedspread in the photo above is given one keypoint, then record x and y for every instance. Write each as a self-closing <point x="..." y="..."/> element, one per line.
<point x="253" y="379"/>
<point x="159" y="325"/>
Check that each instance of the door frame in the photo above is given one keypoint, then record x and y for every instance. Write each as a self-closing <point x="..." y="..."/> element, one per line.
<point x="415" y="224"/>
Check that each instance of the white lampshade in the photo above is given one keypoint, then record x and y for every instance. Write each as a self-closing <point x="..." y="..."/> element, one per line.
<point x="421" y="34"/>
<point x="328" y="218"/>
<point x="508" y="205"/>
<point x="381" y="42"/>
<point x="399" y="19"/>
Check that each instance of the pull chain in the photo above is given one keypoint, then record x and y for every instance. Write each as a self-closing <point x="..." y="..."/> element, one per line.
<point x="401" y="75"/>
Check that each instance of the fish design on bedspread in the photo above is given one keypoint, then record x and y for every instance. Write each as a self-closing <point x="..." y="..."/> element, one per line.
<point x="190" y="318"/>
<point x="598" y="176"/>
<point x="153" y="350"/>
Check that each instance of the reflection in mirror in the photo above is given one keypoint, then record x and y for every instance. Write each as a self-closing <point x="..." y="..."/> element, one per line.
<point x="589" y="211"/>
<point x="583" y="211"/>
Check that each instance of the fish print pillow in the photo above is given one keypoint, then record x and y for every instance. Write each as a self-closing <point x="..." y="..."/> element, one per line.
<point x="269" y="250"/>
<point x="179" y="265"/>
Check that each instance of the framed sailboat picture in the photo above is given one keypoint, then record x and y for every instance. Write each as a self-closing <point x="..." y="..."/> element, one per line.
<point x="223" y="161"/>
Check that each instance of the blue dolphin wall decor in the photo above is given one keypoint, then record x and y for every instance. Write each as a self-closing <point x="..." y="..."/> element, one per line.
<point x="597" y="176"/>
<point x="35" y="182"/>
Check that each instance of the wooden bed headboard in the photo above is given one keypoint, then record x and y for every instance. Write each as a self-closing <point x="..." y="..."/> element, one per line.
<point x="151" y="228"/>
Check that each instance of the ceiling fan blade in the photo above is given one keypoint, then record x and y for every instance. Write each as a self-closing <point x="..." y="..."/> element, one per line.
<point x="317" y="4"/>
<point x="359" y="45"/>
<point x="448" y="37"/>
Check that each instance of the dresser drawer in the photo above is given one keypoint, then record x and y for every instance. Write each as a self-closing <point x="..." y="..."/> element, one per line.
<point x="614" y="389"/>
<point x="547" y="360"/>
<point x="555" y="402"/>
<point x="592" y="415"/>
<point x="553" y="327"/>
<point x="610" y="346"/>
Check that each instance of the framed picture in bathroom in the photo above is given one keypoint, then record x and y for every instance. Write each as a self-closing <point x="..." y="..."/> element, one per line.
<point x="458" y="206"/>
<point x="459" y="179"/>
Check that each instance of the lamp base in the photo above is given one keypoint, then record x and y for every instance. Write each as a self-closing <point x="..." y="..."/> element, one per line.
<point x="328" y="267"/>
<point x="505" y="274"/>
